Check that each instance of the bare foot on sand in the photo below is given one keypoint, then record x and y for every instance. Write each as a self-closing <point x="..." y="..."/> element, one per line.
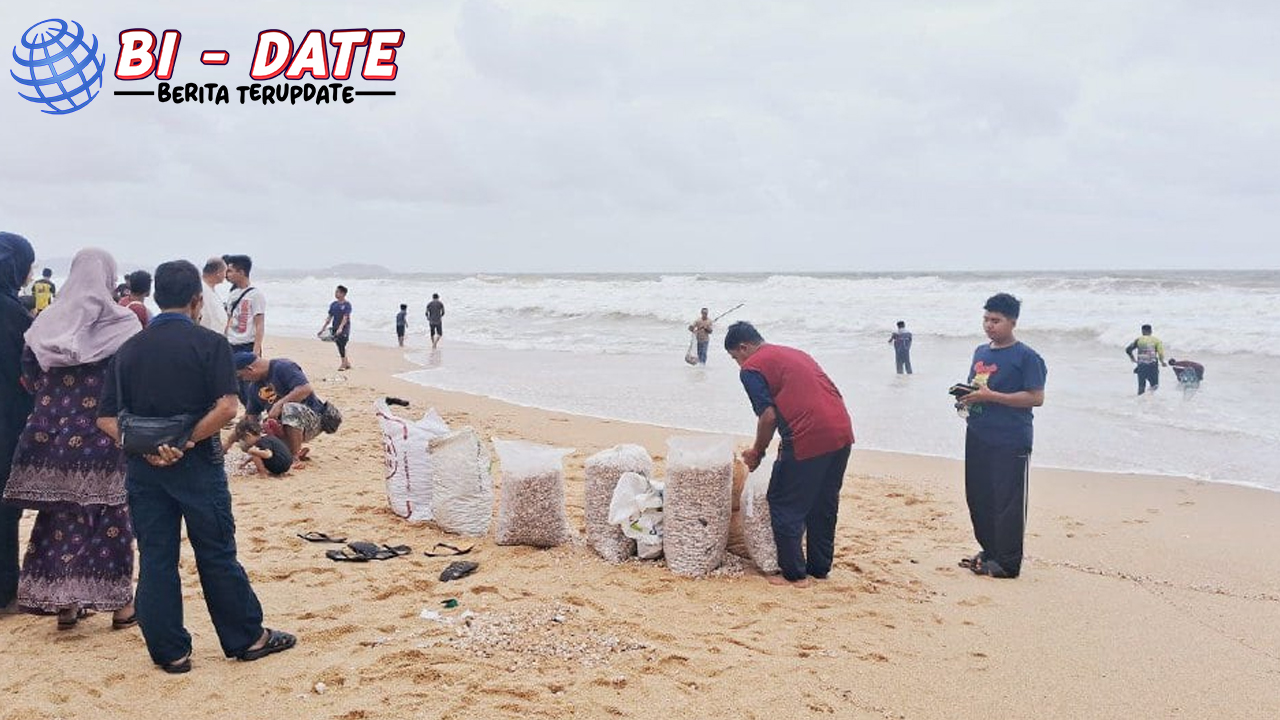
<point x="779" y="580"/>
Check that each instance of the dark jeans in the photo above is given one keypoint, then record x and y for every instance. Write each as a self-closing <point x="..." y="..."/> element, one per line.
<point x="244" y="384"/>
<point x="9" y="517"/>
<point x="995" y="485"/>
<point x="702" y="351"/>
<point x="160" y="499"/>
<point x="804" y="499"/>
<point x="903" y="361"/>
<point x="1147" y="373"/>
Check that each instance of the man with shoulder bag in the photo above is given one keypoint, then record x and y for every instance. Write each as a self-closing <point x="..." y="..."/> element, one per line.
<point x="174" y="388"/>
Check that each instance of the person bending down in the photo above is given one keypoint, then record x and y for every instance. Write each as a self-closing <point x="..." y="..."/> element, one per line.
<point x="281" y="390"/>
<point x="268" y="454"/>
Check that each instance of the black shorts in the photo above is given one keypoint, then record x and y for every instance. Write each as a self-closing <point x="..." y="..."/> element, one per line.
<point x="437" y="329"/>
<point x="399" y="331"/>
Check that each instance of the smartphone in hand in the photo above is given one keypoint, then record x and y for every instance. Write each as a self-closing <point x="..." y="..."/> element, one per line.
<point x="962" y="389"/>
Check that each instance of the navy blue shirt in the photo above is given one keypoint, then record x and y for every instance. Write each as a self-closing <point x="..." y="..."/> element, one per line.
<point x="1007" y="370"/>
<point x="282" y="377"/>
<point x="337" y="310"/>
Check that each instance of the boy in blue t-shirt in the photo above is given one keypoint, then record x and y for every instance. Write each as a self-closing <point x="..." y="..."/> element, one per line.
<point x="1010" y="378"/>
<point x="402" y="323"/>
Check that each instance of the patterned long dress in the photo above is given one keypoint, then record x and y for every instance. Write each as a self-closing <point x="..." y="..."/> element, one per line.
<point x="81" y="548"/>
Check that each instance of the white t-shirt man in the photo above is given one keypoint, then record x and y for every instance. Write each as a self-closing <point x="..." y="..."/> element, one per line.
<point x="243" y="306"/>
<point x="214" y="315"/>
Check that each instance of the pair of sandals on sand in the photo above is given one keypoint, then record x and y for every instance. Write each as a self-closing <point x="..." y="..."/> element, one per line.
<point x="360" y="551"/>
<point x="980" y="564"/>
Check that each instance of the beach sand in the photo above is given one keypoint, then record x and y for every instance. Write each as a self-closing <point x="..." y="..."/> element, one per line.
<point x="1141" y="598"/>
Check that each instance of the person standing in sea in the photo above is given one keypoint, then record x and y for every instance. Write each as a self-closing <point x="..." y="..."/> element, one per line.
<point x="702" y="328"/>
<point x="435" y="319"/>
<point x="901" y="340"/>
<point x="1148" y="361"/>
<point x="1010" y="378"/>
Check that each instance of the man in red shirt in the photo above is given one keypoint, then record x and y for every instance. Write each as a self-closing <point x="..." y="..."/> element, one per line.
<point x="139" y="290"/>
<point x="791" y="394"/>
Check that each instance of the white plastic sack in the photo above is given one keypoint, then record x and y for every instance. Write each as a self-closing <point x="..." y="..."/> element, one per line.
<point x="461" y="489"/>
<point x="756" y="523"/>
<point x="407" y="461"/>
<point x="636" y="510"/>
<point x="697" y="503"/>
<point x="603" y="470"/>
<point x="531" y="506"/>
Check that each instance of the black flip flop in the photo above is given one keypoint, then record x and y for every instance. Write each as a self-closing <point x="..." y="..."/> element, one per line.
<point x="177" y="667"/>
<point x="970" y="562"/>
<point x="458" y="570"/>
<point x="450" y="550"/>
<point x="344" y="556"/>
<point x="362" y="551"/>
<point x="319" y="537"/>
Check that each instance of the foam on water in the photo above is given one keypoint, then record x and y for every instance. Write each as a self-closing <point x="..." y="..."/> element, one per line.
<point x="612" y="346"/>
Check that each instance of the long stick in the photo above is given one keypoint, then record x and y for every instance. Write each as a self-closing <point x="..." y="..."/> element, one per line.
<point x="726" y="312"/>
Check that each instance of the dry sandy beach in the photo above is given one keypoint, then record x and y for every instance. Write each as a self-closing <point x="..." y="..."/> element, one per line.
<point x="1142" y="598"/>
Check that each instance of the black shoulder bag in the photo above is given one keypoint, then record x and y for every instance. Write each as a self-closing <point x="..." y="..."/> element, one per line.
<point x="141" y="435"/>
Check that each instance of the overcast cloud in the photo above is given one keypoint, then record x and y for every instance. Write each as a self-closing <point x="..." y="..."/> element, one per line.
<point x="682" y="136"/>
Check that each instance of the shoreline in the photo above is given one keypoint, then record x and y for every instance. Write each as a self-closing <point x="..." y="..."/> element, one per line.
<point x="411" y="366"/>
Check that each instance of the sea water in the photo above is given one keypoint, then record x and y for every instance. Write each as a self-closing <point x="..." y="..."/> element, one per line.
<point x="613" y="346"/>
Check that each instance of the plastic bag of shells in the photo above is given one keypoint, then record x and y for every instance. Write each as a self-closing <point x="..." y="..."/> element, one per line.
<point x="756" y="525"/>
<point x="531" y="501"/>
<point x="697" y="503"/>
<point x="603" y="470"/>
<point x="461" y="489"/>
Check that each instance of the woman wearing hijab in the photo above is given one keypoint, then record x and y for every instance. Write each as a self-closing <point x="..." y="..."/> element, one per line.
<point x="81" y="552"/>
<point x="16" y="258"/>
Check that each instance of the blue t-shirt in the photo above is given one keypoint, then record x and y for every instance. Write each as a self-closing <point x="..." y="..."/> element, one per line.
<point x="282" y="377"/>
<point x="337" y="310"/>
<point x="400" y="320"/>
<point x="1007" y="370"/>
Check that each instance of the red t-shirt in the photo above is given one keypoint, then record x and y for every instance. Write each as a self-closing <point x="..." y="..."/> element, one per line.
<point x="812" y="417"/>
<point x="138" y="309"/>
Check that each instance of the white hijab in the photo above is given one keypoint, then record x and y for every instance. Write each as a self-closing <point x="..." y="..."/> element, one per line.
<point x="83" y="325"/>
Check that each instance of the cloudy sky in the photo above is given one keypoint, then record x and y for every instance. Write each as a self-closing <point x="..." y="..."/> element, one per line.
<point x="682" y="136"/>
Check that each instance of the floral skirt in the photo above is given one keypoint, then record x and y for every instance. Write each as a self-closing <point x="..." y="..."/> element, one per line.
<point x="79" y="556"/>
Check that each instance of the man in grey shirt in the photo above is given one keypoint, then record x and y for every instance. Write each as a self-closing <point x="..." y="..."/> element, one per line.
<point x="435" y="313"/>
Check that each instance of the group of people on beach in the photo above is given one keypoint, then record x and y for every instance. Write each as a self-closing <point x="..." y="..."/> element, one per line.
<point x="110" y="425"/>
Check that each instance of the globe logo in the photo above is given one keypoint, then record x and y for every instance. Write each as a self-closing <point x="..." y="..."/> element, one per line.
<point x="58" y="66"/>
